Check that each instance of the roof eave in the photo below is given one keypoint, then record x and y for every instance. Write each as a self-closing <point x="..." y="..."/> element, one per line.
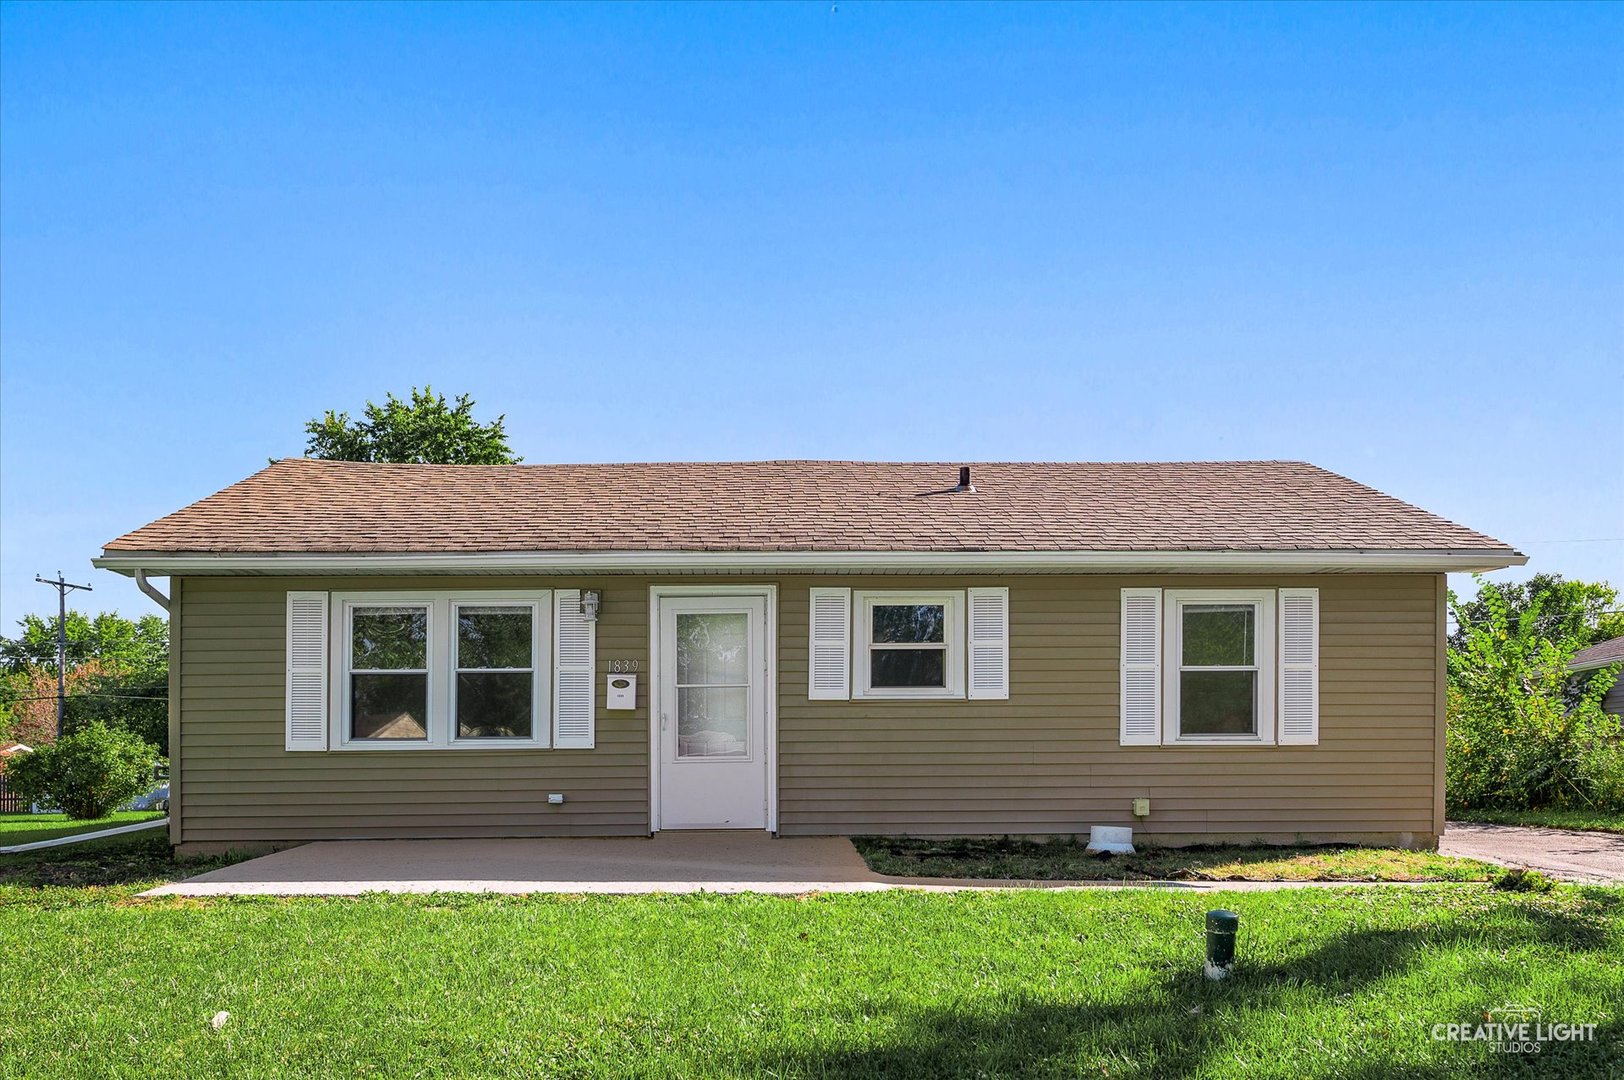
<point x="629" y="562"/>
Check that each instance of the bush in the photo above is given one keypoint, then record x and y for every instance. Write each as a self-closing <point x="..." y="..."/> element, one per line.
<point x="87" y="774"/>
<point x="1523" y="733"/>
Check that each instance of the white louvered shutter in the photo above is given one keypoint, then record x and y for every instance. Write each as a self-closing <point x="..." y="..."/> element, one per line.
<point x="828" y="660"/>
<point x="1299" y="667"/>
<point x="307" y="671"/>
<point x="989" y="643"/>
<point x="574" y="660"/>
<point x="1141" y="667"/>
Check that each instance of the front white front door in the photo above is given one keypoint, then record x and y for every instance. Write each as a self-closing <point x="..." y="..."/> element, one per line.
<point x="711" y="717"/>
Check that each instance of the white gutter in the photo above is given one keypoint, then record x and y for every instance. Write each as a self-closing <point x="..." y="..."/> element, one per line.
<point x="627" y="562"/>
<point x="149" y="588"/>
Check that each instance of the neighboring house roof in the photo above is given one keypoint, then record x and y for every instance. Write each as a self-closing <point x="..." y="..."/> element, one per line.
<point x="1598" y="655"/>
<point x="307" y="507"/>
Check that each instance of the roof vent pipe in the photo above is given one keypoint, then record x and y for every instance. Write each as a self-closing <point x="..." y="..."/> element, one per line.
<point x="964" y="480"/>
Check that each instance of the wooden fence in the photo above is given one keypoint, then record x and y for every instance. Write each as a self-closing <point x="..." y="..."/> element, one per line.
<point x="10" y="801"/>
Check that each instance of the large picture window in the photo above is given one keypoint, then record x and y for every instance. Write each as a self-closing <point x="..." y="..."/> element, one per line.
<point x="909" y="645"/>
<point x="419" y="670"/>
<point x="1220" y="665"/>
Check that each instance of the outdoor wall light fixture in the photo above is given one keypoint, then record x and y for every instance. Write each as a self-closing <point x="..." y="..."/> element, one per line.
<point x="589" y="605"/>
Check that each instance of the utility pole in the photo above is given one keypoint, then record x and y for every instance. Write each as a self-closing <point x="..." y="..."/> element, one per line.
<point x="63" y="587"/>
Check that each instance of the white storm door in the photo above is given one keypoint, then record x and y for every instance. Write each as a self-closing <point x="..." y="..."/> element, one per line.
<point x="712" y="722"/>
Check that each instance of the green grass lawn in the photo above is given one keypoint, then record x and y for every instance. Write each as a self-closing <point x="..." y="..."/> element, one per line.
<point x="1590" y="820"/>
<point x="1066" y="860"/>
<point x="1331" y="982"/>
<point x="27" y="828"/>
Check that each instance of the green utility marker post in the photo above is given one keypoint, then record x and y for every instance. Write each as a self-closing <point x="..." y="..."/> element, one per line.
<point x="1221" y="928"/>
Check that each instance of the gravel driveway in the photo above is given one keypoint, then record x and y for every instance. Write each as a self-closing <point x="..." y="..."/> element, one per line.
<point x="1561" y="853"/>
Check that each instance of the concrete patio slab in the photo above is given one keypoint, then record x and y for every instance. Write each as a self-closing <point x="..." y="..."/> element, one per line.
<point x="1568" y="854"/>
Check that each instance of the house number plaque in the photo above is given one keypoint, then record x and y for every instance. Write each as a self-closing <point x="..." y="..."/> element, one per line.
<point x="617" y="667"/>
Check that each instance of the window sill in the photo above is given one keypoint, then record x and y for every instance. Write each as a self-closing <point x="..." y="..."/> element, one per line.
<point x="1218" y="740"/>
<point x="460" y="744"/>
<point x="895" y="695"/>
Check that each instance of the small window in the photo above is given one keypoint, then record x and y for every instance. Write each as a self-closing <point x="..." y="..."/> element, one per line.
<point x="389" y="672"/>
<point x="1220" y="650"/>
<point x="909" y="645"/>
<point x="496" y="671"/>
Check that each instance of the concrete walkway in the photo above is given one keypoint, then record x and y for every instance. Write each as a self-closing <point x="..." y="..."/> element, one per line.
<point x="677" y="862"/>
<point x="670" y="862"/>
<point x="1595" y="857"/>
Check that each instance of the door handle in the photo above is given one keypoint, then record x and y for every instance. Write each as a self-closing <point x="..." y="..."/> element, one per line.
<point x="663" y="720"/>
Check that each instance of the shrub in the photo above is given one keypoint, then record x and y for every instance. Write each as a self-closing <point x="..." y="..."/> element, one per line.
<point x="1522" y="735"/>
<point x="87" y="774"/>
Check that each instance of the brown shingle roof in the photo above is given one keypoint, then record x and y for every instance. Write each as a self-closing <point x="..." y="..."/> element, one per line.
<point x="304" y="506"/>
<point x="1600" y="654"/>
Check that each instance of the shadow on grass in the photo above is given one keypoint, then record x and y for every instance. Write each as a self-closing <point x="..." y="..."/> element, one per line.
<point x="1186" y="1025"/>
<point x="1069" y="860"/>
<point x="143" y="858"/>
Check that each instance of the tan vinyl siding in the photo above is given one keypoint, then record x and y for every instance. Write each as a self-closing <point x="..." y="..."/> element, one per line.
<point x="1049" y="759"/>
<point x="243" y="786"/>
<point x="1045" y="761"/>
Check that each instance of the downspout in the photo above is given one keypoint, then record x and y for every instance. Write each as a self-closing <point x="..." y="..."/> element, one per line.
<point x="173" y="809"/>
<point x="151" y="590"/>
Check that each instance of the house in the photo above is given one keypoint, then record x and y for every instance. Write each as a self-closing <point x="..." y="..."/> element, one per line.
<point x="1604" y="654"/>
<point x="1241" y="650"/>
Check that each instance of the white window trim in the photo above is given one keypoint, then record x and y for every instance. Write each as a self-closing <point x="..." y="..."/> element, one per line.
<point x="442" y="672"/>
<point x="1173" y="601"/>
<point x="863" y="603"/>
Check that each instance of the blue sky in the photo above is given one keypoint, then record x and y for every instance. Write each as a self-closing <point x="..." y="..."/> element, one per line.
<point x="1389" y="240"/>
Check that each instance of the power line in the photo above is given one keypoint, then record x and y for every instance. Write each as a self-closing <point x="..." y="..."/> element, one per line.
<point x="113" y="697"/>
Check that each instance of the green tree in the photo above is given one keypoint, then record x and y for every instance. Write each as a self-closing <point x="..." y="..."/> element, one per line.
<point x="422" y="430"/>
<point x="1523" y="733"/>
<point x="139" y="643"/>
<point x="1583" y="612"/>
<point x="118" y="673"/>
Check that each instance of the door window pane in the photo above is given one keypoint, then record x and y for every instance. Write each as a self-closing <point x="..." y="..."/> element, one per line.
<point x="494" y="637"/>
<point x="908" y="667"/>
<point x="389" y="638"/>
<point x="712" y="649"/>
<point x="1220" y="635"/>
<point x="899" y="624"/>
<point x="389" y="706"/>
<point x="1218" y="702"/>
<point x="713" y="722"/>
<point x="495" y="705"/>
